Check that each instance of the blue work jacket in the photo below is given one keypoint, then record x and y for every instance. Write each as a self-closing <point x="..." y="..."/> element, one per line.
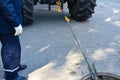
<point x="10" y="15"/>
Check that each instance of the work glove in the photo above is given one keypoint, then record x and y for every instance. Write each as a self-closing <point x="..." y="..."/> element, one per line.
<point x="18" y="30"/>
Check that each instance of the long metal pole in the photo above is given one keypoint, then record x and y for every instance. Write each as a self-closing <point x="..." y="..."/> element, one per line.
<point x="91" y="70"/>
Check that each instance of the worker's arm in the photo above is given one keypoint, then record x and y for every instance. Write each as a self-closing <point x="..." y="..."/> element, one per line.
<point x="8" y="11"/>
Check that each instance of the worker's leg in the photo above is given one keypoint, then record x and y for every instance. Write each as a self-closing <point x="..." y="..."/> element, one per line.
<point x="11" y="50"/>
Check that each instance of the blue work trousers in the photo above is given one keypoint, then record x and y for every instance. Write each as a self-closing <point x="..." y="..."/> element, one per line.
<point x="10" y="52"/>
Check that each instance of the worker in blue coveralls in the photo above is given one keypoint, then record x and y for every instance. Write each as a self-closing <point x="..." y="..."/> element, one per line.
<point x="10" y="29"/>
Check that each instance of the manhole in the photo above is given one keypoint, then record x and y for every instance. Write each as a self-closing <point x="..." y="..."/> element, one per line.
<point x="103" y="76"/>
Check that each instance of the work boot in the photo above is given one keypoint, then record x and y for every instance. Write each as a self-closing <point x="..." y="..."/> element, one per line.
<point x="20" y="78"/>
<point x="22" y="67"/>
<point x="13" y="76"/>
<point x="17" y="78"/>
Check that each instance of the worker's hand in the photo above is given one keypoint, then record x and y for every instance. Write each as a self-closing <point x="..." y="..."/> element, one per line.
<point x="18" y="30"/>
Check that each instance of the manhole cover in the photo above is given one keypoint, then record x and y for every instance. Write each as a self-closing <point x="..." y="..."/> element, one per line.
<point x="103" y="76"/>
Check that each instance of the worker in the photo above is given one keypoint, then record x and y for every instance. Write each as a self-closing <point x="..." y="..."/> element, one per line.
<point x="10" y="29"/>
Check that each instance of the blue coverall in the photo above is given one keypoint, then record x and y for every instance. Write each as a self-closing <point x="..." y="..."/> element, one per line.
<point x="10" y="17"/>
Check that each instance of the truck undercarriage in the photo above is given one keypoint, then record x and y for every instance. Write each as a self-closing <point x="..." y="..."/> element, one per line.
<point x="80" y="10"/>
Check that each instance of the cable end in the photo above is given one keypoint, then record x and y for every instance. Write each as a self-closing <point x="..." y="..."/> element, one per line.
<point x="66" y="19"/>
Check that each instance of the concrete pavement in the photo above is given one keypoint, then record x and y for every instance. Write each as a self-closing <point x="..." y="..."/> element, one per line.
<point x="49" y="49"/>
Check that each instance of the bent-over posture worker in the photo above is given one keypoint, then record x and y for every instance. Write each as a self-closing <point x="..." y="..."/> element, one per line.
<point x="10" y="29"/>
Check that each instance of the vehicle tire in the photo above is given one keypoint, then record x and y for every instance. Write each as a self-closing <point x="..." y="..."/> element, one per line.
<point x="28" y="11"/>
<point x="81" y="10"/>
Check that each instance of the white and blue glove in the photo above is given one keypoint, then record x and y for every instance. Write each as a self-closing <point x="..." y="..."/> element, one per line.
<point x="18" y="30"/>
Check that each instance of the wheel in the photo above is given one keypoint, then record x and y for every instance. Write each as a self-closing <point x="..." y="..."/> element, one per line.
<point x="28" y="11"/>
<point x="81" y="10"/>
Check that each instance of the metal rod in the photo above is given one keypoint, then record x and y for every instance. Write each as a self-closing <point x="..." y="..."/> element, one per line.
<point x="92" y="71"/>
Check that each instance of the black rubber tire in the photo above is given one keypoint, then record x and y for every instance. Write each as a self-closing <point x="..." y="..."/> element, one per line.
<point x="81" y="10"/>
<point x="28" y="12"/>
